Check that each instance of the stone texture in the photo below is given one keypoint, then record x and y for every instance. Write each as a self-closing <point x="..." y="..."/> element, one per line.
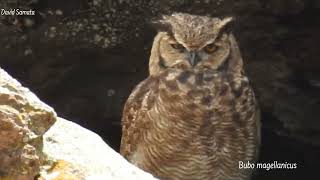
<point x="23" y="121"/>
<point x="82" y="154"/>
<point x="65" y="151"/>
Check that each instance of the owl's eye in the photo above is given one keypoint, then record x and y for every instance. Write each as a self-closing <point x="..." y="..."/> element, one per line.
<point x="177" y="46"/>
<point x="210" y="48"/>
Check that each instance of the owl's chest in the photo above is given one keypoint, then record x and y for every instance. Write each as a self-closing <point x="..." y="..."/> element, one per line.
<point x="194" y="121"/>
<point x="199" y="106"/>
<point x="200" y="91"/>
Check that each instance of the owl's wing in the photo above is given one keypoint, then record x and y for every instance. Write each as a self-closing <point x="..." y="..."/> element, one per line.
<point x="134" y="119"/>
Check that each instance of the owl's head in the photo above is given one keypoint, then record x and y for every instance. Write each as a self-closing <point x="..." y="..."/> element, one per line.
<point x="187" y="41"/>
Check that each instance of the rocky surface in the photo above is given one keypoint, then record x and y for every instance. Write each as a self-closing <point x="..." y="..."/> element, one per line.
<point x="23" y="121"/>
<point x="82" y="154"/>
<point x="66" y="151"/>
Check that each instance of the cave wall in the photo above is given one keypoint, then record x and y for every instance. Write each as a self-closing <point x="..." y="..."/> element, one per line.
<point x="83" y="57"/>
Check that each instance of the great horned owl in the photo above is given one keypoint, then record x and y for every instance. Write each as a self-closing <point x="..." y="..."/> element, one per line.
<point x="195" y="116"/>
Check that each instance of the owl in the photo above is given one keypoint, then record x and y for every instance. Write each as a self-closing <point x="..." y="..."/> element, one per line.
<point x="195" y="116"/>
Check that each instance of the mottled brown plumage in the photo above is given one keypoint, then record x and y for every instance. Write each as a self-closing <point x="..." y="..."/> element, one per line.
<point x="195" y="116"/>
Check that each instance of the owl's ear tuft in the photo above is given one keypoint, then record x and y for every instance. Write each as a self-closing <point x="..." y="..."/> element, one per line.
<point x="162" y="25"/>
<point x="226" y="24"/>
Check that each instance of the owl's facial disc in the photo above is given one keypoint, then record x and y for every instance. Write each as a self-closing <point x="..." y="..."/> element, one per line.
<point x="191" y="42"/>
<point x="194" y="54"/>
<point x="178" y="53"/>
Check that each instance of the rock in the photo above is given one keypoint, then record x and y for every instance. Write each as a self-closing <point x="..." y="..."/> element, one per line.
<point x="79" y="150"/>
<point x="23" y="121"/>
<point x="65" y="151"/>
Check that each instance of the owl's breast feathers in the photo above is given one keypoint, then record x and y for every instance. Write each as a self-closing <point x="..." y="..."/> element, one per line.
<point x="195" y="121"/>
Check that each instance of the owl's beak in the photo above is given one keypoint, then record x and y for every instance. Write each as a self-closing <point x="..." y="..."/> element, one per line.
<point x="194" y="58"/>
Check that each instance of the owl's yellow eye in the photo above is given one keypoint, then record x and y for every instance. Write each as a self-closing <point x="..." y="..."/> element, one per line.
<point x="177" y="46"/>
<point x="210" y="48"/>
